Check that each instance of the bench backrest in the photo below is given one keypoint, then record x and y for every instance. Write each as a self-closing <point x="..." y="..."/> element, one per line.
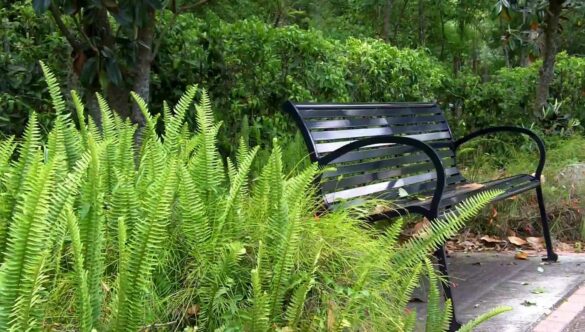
<point x="385" y="171"/>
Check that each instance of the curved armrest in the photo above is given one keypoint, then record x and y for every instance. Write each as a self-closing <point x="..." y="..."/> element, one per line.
<point x="420" y="145"/>
<point x="525" y="131"/>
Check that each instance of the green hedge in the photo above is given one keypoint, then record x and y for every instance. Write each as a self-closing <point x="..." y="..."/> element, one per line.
<point x="251" y="68"/>
<point x="508" y="96"/>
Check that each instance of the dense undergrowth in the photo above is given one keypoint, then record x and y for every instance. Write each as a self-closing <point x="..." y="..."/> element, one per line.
<point x="97" y="233"/>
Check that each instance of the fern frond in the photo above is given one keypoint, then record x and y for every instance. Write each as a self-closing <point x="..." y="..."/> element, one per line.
<point x="146" y="242"/>
<point x="26" y="248"/>
<point x="54" y="89"/>
<point x="235" y="189"/>
<point x="472" y="324"/>
<point x="84" y="311"/>
<point x="195" y="223"/>
<point x="259" y="319"/>
<point x="434" y="312"/>
<point x="80" y="111"/>
<point x="150" y="120"/>
<point x="108" y="125"/>
<point x="27" y="151"/>
<point x="174" y="123"/>
<point x="91" y="226"/>
<point x="439" y="230"/>
<point x="408" y="285"/>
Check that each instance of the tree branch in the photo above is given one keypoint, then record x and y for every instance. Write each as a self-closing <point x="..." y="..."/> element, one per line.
<point x="75" y="43"/>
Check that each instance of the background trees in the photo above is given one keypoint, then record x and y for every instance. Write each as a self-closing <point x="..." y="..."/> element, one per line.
<point x="295" y="49"/>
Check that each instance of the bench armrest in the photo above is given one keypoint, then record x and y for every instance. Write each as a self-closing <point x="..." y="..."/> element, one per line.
<point x="525" y="131"/>
<point x="389" y="139"/>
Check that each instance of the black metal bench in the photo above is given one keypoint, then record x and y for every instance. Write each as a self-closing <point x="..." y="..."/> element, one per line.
<point x="402" y="152"/>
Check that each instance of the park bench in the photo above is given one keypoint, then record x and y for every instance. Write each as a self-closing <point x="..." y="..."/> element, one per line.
<point x="404" y="153"/>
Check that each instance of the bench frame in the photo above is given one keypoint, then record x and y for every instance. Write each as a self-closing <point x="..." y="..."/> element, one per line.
<point x="432" y="212"/>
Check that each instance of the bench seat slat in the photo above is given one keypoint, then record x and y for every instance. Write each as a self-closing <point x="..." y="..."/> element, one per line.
<point x="426" y="110"/>
<point x="369" y="132"/>
<point x="328" y="147"/>
<point x="362" y="154"/>
<point x="373" y="166"/>
<point x="340" y="183"/>
<point x="387" y="185"/>
<point x="373" y="122"/>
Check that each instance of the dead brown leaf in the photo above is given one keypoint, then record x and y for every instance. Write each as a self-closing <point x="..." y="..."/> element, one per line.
<point x="491" y="239"/>
<point x="331" y="316"/>
<point x="564" y="247"/>
<point x="517" y="241"/>
<point x="471" y="186"/>
<point x="422" y="227"/>
<point x="521" y="255"/>
<point x="193" y="310"/>
<point x="535" y="242"/>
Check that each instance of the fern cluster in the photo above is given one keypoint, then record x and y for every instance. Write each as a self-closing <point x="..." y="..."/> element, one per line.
<point x="97" y="233"/>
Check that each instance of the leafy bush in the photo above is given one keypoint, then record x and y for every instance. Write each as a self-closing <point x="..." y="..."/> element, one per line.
<point x="251" y="68"/>
<point x="95" y="233"/>
<point x="508" y="97"/>
<point x="25" y="39"/>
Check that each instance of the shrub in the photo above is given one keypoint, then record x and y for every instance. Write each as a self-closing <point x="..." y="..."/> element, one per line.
<point x="251" y="68"/>
<point x="508" y="97"/>
<point x="95" y="233"/>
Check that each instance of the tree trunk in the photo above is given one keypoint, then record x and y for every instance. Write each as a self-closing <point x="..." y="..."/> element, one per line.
<point x="421" y="23"/>
<point x="397" y="25"/>
<point x="387" y="15"/>
<point x="143" y="66"/>
<point x="546" y="73"/>
<point x="442" y="55"/>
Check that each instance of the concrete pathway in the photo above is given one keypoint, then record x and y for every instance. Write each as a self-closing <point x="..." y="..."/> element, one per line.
<point x="487" y="280"/>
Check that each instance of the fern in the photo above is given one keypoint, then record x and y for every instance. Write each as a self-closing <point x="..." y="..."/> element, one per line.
<point x="145" y="242"/>
<point x="472" y="324"/>
<point x="173" y="123"/>
<point x="22" y="268"/>
<point x="84" y="311"/>
<point x="259" y="313"/>
<point x="439" y="230"/>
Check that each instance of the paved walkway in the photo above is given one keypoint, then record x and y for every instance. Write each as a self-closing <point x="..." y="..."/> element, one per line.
<point x="578" y="325"/>
<point x="487" y="280"/>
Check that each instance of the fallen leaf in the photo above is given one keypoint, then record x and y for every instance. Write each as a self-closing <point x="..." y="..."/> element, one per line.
<point x="527" y="303"/>
<point x="193" y="310"/>
<point x="538" y="290"/>
<point x="472" y="186"/>
<point x="422" y="227"/>
<point x="516" y="240"/>
<point x="331" y="316"/>
<point x="561" y="246"/>
<point x="535" y="242"/>
<point x="490" y="239"/>
<point x="521" y="255"/>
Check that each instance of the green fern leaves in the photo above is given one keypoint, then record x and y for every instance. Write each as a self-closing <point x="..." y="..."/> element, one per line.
<point x="98" y="233"/>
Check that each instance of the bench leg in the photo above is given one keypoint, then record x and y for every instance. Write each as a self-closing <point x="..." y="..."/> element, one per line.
<point x="442" y="260"/>
<point x="550" y="254"/>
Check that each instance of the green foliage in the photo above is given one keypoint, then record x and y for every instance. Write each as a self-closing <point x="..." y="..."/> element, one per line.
<point x="25" y="39"/>
<point x="509" y="95"/>
<point x="113" y="237"/>
<point x="288" y="63"/>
